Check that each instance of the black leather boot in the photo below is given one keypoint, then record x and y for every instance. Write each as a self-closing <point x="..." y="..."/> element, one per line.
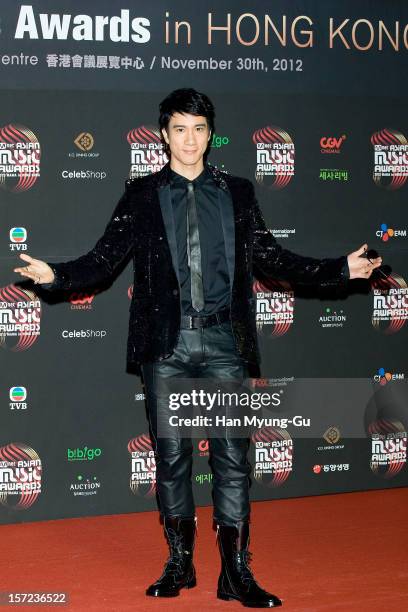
<point x="236" y="580"/>
<point x="179" y="570"/>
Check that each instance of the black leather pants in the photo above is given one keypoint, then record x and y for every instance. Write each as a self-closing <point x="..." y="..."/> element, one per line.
<point x="208" y="352"/>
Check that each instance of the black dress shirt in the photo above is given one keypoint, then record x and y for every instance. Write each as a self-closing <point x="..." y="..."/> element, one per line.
<point x="213" y="260"/>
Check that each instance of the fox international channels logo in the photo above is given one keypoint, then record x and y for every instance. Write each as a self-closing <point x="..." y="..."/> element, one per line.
<point x="143" y="466"/>
<point x="20" y="318"/>
<point x="390" y="307"/>
<point x="20" y="476"/>
<point x="275" y="157"/>
<point x="20" y="154"/>
<point x="147" y="154"/>
<point x="390" y="158"/>
<point x="275" y="306"/>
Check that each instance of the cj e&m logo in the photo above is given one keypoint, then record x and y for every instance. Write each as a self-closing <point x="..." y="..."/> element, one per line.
<point x="18" y="237"/>
<point x="331" y="145"/>
<point x="18" y="396"/>
<point x="385" y="233"/>
<point x="383" y="377"/>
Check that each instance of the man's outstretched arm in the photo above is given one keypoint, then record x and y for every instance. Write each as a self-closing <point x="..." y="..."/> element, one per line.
<point x="274" y="261"/>
<point x="96" y="266"/>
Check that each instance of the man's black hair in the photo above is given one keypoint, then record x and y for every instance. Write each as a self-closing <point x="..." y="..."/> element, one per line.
<point x="188" y="101"/>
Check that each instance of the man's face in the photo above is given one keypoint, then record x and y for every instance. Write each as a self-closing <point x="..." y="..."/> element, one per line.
<point x="187" y="136"/>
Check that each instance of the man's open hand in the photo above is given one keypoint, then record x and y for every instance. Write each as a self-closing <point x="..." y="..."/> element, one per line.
<point x="37" y="270"/>
<point x="361" y="267"/>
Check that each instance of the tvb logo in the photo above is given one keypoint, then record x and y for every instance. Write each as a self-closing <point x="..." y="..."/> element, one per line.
<point x="83" y="454"/>
<point x="18" y="396"/>
<point x="18" y="237"/>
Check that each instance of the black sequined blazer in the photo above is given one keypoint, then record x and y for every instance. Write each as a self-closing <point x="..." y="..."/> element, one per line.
<point x="142" y="227"/>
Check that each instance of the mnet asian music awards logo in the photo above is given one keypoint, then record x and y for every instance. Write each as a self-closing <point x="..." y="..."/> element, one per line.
<point x="385" y="233"/>
<point x="273" y="456"/>
<point x="390" y="158"/>
<point x="20" y="155"/>
<point x="147" y="153"/>
<point x="383" y="377"/>
<point x="143" y="466"/>
<point x="275" y="157"/>
<point x="332" y="318"/>
<point x="390" y="307"/>
<point x="20" y="476"/>
<point x="388" y="447"/>
<point x="18" y="237"/>
<point x="18" y="396"/>
<point x="20" y="318"/>
<point x="275" y="305"/>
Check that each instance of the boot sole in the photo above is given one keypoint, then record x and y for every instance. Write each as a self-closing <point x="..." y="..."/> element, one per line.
<point x="189" y="585"/>
<point x="247" y="604"/>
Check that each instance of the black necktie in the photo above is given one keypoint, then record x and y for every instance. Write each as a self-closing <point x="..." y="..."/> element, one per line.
<point x="194" y="251"/>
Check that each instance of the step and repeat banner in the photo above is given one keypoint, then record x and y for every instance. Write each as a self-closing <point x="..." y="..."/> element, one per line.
<point x="311" y="106"/>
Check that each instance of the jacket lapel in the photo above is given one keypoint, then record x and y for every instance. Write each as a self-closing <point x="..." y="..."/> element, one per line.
<point x="168" y="218"/>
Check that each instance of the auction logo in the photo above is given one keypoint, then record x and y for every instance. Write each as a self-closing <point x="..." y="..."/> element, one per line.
<point x="331" y="145"/>
<point x="384" y="377"/>
<point x="388" y="447"/>
<point x="390" y="309"/>
<point x="17" y="396"/>
<point x="20" y="476"/>
<point x="143" y="466"/>
<point x="147" y="153"/>
<point x="390" y="158"/>
<point x="275" y="304"/>
<point x="85" y="486"/>
<point x="273" y="456"/>
<point x="332" y="318"/>
<point x="385" y="233"/>
<point x="275" y="157"/>
<point x="20" y="154"/>
<point x="20" y="317"/>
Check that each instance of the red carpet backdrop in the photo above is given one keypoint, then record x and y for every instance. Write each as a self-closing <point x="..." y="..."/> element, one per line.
<point x="311" y="106"/>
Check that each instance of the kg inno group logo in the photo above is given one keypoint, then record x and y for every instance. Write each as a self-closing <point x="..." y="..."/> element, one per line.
<point x="275" y="157"/>
<point x="390" y="158"/>
<point x="147" y="153"/>
<point x="20" y="154"/>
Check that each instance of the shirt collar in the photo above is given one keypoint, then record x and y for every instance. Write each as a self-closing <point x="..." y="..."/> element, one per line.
<point x="178" y="179"/>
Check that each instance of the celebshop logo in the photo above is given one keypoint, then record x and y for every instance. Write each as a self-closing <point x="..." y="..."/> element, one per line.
<point x="83" y="334"/>
<point x="331" y="145"/>
<point x="20" y="318"/>
<point x="20" y="154"/>
<point x="275" y="306"/>
<point x="143" y="466"/>
<point x="390" y="158"/>
<point x="147" y="154"/>
<point x="20" y="476"/>
<point x="385" y="233"/>
<point x="275" y="157"/>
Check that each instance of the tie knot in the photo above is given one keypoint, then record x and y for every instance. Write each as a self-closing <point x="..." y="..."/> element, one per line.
<point x="190" y="187"/>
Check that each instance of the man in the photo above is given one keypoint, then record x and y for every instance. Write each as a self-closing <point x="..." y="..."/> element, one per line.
<point x="197" y="237"/>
